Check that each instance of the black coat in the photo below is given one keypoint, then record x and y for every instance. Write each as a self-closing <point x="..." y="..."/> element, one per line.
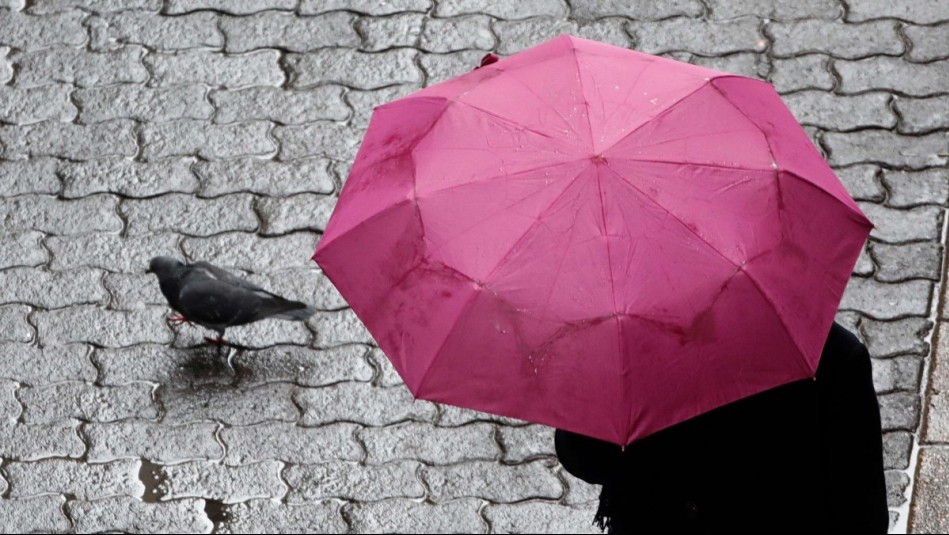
<point x="806" y="457"/>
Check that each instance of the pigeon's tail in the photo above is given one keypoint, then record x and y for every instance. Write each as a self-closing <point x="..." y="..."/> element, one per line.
<point x="299" y="312"/>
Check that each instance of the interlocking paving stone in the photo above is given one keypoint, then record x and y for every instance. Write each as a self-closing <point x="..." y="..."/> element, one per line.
<point x="897" y="374"/>
<point x="229" y="405"/>
<point x="541" y="517"/>
<point x="400" y="30"/>
<point x="929" y="42"/>
<point x="244" y="7"/>
<point x="457" y="33"/>
<point x="303" y="366"/>
<point x="35" y="104"/>
<point x="52" y="364"/>
<point x="76" y="66"/>
<point x="903" y="225"/>
<point x="42" y="514"/>
<point x="109" y="251"/>
<point x="431" y="445"/>
<point x="227" y="484"/>
<point x="132" y="515"/>
<point x="264" y="177"/>
<point x="359" y="70"/>
<point x="98" y="6"/>
<point x="491" y="481"/>
<point x="28" y="32"/>
<point x="192" y="137"/>
<point x="908" y="188"/>
<point x="272" y="29"/>
<point x="845" y="40"/>
<point x="279" y="105"/>
<point x="16" y="327"/>
<point x="145" y="104"/>
<point x="894" y="74"/>
<point x="245" y="251"/>
<point x="924" y="12"/>
<point x="361" y="403"/>
<point x="811" y="71"/>
<point x="290" y="443"/>
<point x="196" y="30"/>
<point x="911" y="261"/>
<point x="22" y="249"/>
<point x="109" y="328"/>
<point x="35" y="442"/>
<point x="36" y="176"/>
<point x="352" y="481"/>
<point x="61" y="401"/>
<point x="127" y="178"/>
<point x="826" y="110"/>
<point x="305" y="211"/>
<point x="85" y="481"/>
<point x="258" y="516"/>
<point x="709" y="38"/>
<point x="369" y="7"/>
<point x="216" y="69"/>
<point x="401" y="515"/>
<point x="887" y="300"/>
<point x="896" y="337"/>
<point x="502" y="10"/>
<point x="67" y="140"/>
<point x="636" y="9"/>
<point x="526" y="443"/>
<point x="164" y="443"/>
<point x="896" y="450"/>
<point x="188" y="215"/>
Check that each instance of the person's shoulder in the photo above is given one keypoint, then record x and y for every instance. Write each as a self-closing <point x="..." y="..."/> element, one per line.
<point x="842" y="350"/>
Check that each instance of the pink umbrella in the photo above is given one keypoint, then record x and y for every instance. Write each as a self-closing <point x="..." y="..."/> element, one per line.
<point x="593" y="238"/>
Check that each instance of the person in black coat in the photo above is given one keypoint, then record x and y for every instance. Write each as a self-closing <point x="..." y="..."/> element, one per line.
<point x="806" y="457"/>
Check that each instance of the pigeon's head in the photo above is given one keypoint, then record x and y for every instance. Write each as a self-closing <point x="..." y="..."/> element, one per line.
<point x="165" y="267"/>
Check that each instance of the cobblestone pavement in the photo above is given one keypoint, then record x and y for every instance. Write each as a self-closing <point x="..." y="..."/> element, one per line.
<point x="222" y="130"/>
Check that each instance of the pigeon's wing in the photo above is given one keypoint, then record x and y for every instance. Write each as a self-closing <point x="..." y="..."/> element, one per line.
<point x="218" y="304"/>
<point x="204" y="269"/>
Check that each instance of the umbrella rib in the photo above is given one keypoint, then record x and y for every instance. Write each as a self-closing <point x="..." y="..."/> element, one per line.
<point x="583" y="96"/>
<point x="527" y="231"/>
<point x="540" y="99"/>
<point x="495" y="177"/>
<point x="690" y="164"/>
<point x="803" y="359"/>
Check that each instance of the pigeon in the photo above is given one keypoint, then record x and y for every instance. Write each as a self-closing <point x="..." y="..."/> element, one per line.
<point x="215" y="299"/>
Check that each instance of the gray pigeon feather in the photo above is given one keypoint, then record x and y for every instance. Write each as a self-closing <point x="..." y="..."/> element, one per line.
<point x="214" y="298"/>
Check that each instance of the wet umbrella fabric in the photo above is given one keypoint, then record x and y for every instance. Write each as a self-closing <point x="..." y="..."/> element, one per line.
<point x="593" y="238"/>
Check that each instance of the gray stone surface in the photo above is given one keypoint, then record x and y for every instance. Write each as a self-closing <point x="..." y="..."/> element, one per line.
<point x="896" y="483"/>
<point x="526" y="443"/>
<point x="16" y="326"/>
<point x="892" y="74"/>
<point x="897" y="374"/>
<point x="83" y="480"/>
<point x="26" y="32"/>
<point x="848" y="41"/>
<point x="142" y="103"/>
<point x="920" y="260"/>
<point x="308" y="284"/>
<point x="61" y="401"/>
<point x="35" y="104"/>
<point x="811" y="71"/>
<point x="227" y="484"/>
<point x="216" y="69"/>
<point x="889" y="338"/>
<point x="109" y="251"/>
<point x="40" y="366"/>
<point x="899" y="411"/>
<point x="244" y="7"/>
<point x="353" y="482"/>
<point x="52" y="216"/>
<point x="299" y="212"/>
<point x="929" y="42"/>
<point x="190" y="137"/>
<point x="782" y="11"/>
<point x="188" y="215"/>
<point x="109" y="328"/>
<point x="929" y="509"/>
<point x="264" y="177"/>
<point x="334" y="140"/>
<point x="401" y="515"/>
<point x="286" y="31"/>
<point x="351" y="68"/>
<point x="244" y="251"/>
<point x="468" y="32"/>
<point x="131" y="291"/>
<point x="540" y="517"/>
<point x="280" y="106"/>
<point x="361" y="403"/>
<point x="369" y="7"/>
<point x="36" y="176"/>
<point x="494" y="482"/>
<point x="922" y="115"/>
<point x="900" y="226"/>
<point x="290" y="443"/>
<point x="909" y="188"/>
<point x="896" y="450"/>
<point x="636" y="9"/>
<point x="303" y="366"/>
<point x="339" y="327"/>
<point x="924" y="12"/>
<point x="42" y="7"/>
<point x="35" y="442"/>
<point x="22" y="249"/>
<point x="403" y="29"/>
<point x="914" y="152"/>
<point x="196" y="30"/>
<point x="128" y="514"/>
<point x="162" y="443"/>
<point x="127" y="178"/>
<point x="67" y="140"/>
<point x="229" y="405"/>
<point x="936" y="430"/>
<point x="42" y="514"/>
<point x="887" y="301"/>
<point x="514" y="36"/>
<point x="258" y="516"/>
<point x="431" y="445"/>
<point x="826" y="110"/>
<point x="710" y="39"/>
<point x="76" y="66"/>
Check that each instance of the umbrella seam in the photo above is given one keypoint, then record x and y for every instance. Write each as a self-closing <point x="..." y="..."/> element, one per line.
<point x="661" y="113"/>
<point x="740" y="267"/>
<point x="496" y="177"/>
<point x="533" y="225"/>
<point x="583" y="96"/>
<point x="695" y="164"/>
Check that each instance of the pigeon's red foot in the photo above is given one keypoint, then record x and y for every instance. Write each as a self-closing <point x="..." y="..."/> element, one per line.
<point x="178" y="319"/>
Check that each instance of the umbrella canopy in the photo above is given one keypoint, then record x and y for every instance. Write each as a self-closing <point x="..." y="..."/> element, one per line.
<point x="593" y="238"/>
